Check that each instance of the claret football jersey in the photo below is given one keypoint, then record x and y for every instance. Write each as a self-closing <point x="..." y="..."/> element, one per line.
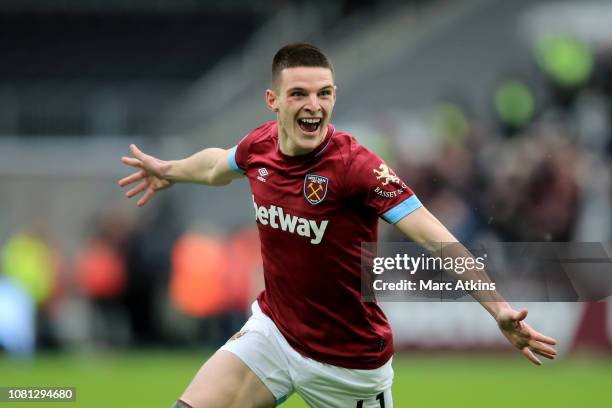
<point x="313" y="212"/>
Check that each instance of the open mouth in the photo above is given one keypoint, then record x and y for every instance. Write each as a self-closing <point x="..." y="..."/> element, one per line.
<point x="309" y="125"/>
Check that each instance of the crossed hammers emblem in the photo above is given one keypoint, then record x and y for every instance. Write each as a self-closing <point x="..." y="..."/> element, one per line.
<point x="315" y="191"/>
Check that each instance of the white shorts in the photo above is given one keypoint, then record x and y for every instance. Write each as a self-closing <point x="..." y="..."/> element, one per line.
<point x="262" y="347"/>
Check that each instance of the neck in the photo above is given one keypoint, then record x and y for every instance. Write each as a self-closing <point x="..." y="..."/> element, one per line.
<point x="288" y="148"/>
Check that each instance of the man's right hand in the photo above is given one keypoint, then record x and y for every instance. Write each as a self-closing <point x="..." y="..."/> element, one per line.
<point x="151" y="174"/>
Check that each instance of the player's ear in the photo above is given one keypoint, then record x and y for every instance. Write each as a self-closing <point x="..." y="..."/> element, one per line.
<point x="271" y="100"/>
<point x="335" y="92"/>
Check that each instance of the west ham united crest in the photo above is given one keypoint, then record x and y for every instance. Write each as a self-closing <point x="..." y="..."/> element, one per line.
<point x="315" y="188"/>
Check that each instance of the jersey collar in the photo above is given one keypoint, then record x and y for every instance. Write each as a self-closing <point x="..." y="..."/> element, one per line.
<point x="303" y="157"/>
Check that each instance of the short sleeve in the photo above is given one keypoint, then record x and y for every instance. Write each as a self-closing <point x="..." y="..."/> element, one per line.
<point x="238" y="159"/>
<point x="371" y="181"/>
<point x="235" y="157"/>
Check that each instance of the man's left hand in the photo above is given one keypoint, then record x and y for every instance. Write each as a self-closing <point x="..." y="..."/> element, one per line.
<point x="523" y="337"/>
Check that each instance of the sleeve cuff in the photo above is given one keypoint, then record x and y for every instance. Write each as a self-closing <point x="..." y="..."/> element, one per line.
<point x="231" y="160"/>
<point x="402" y="209"/>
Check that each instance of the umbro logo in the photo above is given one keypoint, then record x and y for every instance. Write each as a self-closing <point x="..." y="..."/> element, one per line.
<point x="263" y="173"/>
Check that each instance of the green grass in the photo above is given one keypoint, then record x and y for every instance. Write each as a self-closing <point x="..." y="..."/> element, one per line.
<point x="155" y="379"/>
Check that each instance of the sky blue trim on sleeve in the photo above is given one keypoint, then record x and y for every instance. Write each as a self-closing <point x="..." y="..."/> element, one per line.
<point x="231" y="160"/>
<point x="402" y="209"/>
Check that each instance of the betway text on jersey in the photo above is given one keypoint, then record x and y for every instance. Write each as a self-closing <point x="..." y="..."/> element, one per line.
<point x="276" y="217"/>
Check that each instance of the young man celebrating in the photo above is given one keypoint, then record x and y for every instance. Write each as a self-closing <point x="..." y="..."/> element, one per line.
<point x="317" y="195"/>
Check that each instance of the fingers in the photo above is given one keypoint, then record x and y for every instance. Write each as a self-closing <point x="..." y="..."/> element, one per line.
<point x="139" y="175"/>
<point x="549" y="356"/>
<point x="521" y="315"/>
<point x="530" y="356"/>
<point x="535" y="335"/>
<point x="146" y="197"/>
<point x="544" y="339"/>
<point x="136" y="151"/>
<point x="138" y="189"/>
<point x="542" y="349"/>
<point x="130" y="161"/>
<point x="135" y="161"/>
<point x="538" y="348"/>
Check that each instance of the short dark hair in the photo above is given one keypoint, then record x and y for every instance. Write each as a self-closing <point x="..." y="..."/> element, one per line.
<point x="299" y="55"/>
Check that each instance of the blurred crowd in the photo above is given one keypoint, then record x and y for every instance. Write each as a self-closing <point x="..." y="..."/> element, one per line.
<point x="146" y="284"/>
<point x="537" y="169"/>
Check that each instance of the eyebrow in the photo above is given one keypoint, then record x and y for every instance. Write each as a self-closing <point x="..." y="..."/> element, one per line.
<point x="297" y="88"/>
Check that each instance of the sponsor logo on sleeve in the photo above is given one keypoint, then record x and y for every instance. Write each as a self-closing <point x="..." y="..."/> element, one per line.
<point x="315" y="188"/>
<point x="238" y="335"/>
<point x="386" y="176"/>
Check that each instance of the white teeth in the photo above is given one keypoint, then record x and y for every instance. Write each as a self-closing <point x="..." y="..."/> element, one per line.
<point x="311" y="120"/>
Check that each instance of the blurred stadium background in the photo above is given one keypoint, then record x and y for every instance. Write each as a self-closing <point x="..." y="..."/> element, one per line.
<point x="497" y="113"/>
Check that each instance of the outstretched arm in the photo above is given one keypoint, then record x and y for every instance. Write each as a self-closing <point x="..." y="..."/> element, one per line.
<point x="423" y="228"/>
<point x="209" y="167"/>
